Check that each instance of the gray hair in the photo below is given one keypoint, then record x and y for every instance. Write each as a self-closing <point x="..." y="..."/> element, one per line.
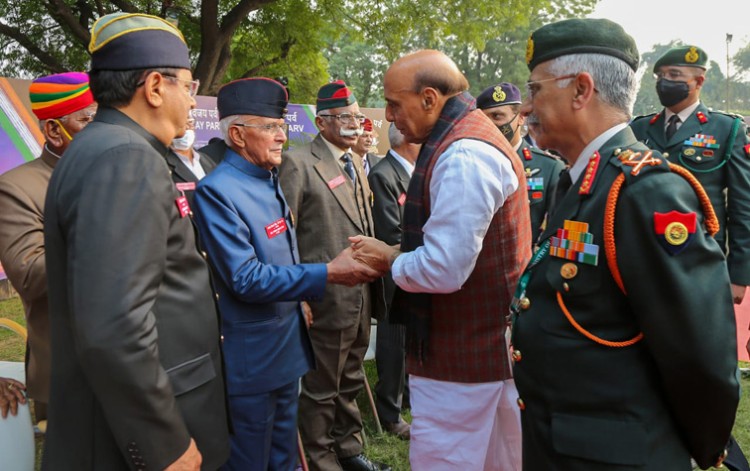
<point x="615" y="81"/>
<point x="225" y="124"/>
<point x="395" y="137"/>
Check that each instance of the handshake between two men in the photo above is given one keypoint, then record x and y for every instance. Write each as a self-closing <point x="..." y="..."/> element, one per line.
<point x="366" y="260"/>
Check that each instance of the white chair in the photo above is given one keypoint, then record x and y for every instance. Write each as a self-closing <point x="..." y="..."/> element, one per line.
<point x="16" y="432"/>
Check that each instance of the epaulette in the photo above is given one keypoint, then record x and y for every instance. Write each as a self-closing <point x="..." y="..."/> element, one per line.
<point x="544" y="153"/>
<point x="635" y="163"/>
<point x="726" y="114"/>
<point x="651" y="117"/>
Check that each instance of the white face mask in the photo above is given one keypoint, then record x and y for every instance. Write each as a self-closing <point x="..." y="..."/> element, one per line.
<point x="184" y="142"/>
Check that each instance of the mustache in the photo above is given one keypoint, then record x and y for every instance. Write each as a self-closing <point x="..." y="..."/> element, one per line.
<point x="351" y="132"/>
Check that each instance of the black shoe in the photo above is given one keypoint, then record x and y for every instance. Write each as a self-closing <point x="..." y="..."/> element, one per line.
<point x="361" y="463"/>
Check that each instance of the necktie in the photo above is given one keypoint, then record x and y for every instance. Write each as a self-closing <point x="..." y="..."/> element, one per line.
<point x="349" y="167"/>
<point x="563" y="185"/>
<point x="674" y="120"/>
<point x="366" y="164"/>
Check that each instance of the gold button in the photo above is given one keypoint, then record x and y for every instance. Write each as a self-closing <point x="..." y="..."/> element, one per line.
<point x="569" y="271"/>
<point x="204" y="254"/>
<point x="222" y="339"/>
<point x="216" y="295"/>
<point x="566" y="287"/>
<point x="521" y="404"/>
<point x="525" y="303"/>
<point x="516" y="355"/>
<point x="665" y="154"/>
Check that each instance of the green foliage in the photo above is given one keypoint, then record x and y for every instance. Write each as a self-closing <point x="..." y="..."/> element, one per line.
<point x="714" y="92"/>
<point x="284" y="39"/>
<point x="487" y="40"/>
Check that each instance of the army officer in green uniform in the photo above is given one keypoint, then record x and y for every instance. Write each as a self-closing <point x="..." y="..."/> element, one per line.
<point x="502" y="103"/>
<point x="623" y="326"/>
<point x="712" y="145"/>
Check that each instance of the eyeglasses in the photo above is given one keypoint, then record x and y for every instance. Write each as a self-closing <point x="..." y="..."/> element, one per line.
<point x="532" y="88"/>
<point x="272" y="128"/>
<point x="84" y="119"/>
<point x="191" y="86"/>
<point x="670" y="74"/>
<point x="346" y="118"/>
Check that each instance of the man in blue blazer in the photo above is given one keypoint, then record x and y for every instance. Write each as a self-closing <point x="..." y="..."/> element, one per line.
<point x="247" y="230"/>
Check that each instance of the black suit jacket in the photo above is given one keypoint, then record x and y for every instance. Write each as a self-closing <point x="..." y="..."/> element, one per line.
<point x="388" y="182"/>
<point x="215" y="150"/>
<point x="182" y="174"/>
<point x="136" y="364"/>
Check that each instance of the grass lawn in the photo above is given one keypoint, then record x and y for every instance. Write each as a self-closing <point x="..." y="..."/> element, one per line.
<point x="384" y="448"/>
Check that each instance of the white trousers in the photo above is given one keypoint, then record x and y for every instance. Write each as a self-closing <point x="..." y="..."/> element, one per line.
<point x="464" y="426"/>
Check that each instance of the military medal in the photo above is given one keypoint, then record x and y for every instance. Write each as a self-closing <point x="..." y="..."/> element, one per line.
<point x="535" y="186"/>
<point x="574" y="242"/>
<point x="702" y="140"/>
<point x="569" y="271"/>
<point x="674" y="230"/>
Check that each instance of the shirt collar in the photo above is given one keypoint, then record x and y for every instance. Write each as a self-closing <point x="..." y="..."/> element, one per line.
<point x="577" y="169"/>
<point x="408" y="166"/>
<point x="684" y="114"/>
<point x="336" y="151"/>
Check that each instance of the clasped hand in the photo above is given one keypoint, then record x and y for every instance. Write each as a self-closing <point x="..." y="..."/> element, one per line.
<point x="373" y="252"/>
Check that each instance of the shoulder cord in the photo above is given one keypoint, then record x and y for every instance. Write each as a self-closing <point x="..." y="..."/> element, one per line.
<point x="610" y="249"/>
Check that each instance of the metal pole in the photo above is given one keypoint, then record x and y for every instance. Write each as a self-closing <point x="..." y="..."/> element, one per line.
<point x="729" y="40"/>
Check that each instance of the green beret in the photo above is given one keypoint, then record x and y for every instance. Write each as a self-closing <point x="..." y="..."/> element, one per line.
<point x="690" y="56"/>
<point x="128" y="41"/>
<point x="581" y="36"/>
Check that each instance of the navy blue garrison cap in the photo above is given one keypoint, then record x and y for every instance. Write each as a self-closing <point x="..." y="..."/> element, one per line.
<point x="258" y="96"/>
<point x="129" y="41"/>
<point x="498" y="95"/>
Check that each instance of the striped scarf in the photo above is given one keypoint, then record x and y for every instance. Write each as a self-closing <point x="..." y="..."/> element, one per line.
<point x="413" y="309"/>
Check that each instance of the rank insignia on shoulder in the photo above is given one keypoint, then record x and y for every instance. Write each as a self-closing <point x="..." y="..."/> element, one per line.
<point x="674" y="230"/>
<point x="701" y="117"/>
<point x="527" y="153"/>
<point x="747" y="150"/>
<point x="654" y="118"/>
<point x="574" y="242"/>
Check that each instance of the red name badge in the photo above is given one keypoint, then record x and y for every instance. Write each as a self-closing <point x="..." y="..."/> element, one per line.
<point x="183" y="206"/>
<point x="402" y="199"/>
<point x="275" y="228"/>
<point x="336" y="182"/>
<point x="185" y="186"/>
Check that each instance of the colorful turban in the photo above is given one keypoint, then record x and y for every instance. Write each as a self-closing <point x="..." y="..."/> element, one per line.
<point x="55" y="96"/>
<point x="367" y="125"/>
<point x="334" y="95"/>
